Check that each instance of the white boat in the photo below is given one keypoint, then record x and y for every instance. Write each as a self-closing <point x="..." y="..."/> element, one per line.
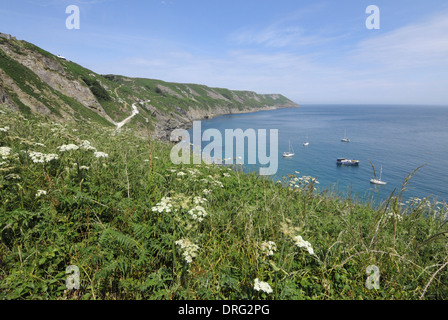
<point x="289" y="153"/>
<point x="347" y="162"/>
<point x="306" y="143"/>
<point x="345" y="139"/>
<point x="378" y="181"/>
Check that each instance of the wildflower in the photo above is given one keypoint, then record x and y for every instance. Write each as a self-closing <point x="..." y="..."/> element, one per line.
<point x="180" y="174"/>
<point x="199" y="200"/>
<point x="397" y="216"/>
<point x="198" y="213"/>
<point x="39" y="157"/>
<point x="100" y="154"/>
<point x="303" y="244"/>
<point x="163" y="205"/>
<point x="268" y="247"/>
<point x="225" y="174"/>
<point x="206" y="192"/>
<point x="193" y="171"/>
<point x="68" y="147"/>
<point x="190" y="249"/>
<point x="85" y="145"/>
<point x="84" y="168"/>
<point x="5" y="152"/>
<point x="40" y="193"/>
<point x="262" y="286"/>
<point x="5" y="129"/>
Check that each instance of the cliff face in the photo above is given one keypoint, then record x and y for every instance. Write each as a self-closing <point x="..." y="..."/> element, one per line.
<point x="34" y="81"/>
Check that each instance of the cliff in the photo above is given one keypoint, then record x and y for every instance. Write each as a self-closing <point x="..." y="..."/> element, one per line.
<point x="34" y="81"/>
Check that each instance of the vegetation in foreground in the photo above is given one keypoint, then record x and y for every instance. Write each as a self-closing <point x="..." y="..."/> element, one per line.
<point x="138" y="227"/>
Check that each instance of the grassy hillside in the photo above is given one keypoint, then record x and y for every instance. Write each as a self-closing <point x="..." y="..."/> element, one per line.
<point x="35" y="81"/>
<point x="138" y="227"/>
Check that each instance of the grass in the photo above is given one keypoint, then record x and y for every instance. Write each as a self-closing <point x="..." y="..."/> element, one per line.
<point x="120" y="218"/>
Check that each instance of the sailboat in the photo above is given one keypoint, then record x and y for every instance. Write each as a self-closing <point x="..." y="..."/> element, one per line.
<point x="306" y="142"/>
<point x="345" y="139"/>
<point x="377" y="180"/>
<point x="289" y="153"/>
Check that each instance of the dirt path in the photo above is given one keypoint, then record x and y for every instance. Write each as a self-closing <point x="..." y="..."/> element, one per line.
<point x="134" y="113"/>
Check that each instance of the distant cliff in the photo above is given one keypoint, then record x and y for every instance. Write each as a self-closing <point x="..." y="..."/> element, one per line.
<point x="34" y="81"/>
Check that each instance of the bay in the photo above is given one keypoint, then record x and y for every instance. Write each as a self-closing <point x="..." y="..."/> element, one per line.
<point x="397" y="138"/>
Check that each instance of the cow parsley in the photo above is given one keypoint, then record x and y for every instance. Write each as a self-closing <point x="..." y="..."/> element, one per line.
<point x="303" y="244"/>
<point x="100" y="154"/>
<point x="262" y="286"/>
<point x="85" y="145"/>
<point x="68" y="147"/>
<point x="190" y="249"/>
<point x="268" y="248"/>
<point x="5" y="152"/>
<point x="198" y="213"/>
<point x="40" y="193"/>
<point x="163" y="205"/>
<point x="39" y="157"/>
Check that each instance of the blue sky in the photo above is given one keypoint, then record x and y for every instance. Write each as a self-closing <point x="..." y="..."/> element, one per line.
<point x="310" y="51"/>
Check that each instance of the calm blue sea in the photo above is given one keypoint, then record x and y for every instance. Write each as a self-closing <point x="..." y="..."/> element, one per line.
<point x="398" y="138"/>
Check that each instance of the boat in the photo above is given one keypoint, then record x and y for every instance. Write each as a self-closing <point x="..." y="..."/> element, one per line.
<point x="377" y="180"/>
<point x="306" y="143"/>
<point x="347" y="162"/>
<point x="345" y="139"/>
<point x="290" y="153"/>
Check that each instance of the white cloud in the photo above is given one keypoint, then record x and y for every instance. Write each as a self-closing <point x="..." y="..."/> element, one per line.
<point x="407" y="65"/>
<point x="418" y="45"/>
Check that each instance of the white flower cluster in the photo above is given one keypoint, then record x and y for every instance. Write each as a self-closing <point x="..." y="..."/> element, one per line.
<point x="298" y="182"/>
<point x="414" y="201"/>
<point x="225" y="174"/>
<point x="303" y="244"/>
<point x="213" y="182"/>
<point x="181" y="174"/>
<point x="163" y="205"/>
<point x="193" y="171"/>
<point x="85" y="145"/>
<point x="40" y="193"/>
<point x="262" y="286"/>
<point x="5" y="129"/>
<point x="198" y="213"/>
<point x="68" y="147"/>
<point x="39" y="157"/>
<point x="100" y="154"/>
<point x="392" y="215"/>
<point x="5" y="152"/>
<point x="190" y="249"/>
<point x="268" y="248"/>
<point x="199" y="200"/>
<point x="206" y="192"/>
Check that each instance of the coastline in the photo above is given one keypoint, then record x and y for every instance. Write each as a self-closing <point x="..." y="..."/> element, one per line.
<point x="163" y="131"/>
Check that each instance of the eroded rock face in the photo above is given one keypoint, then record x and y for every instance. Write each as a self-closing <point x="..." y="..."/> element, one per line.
<point x="174" y="105"/>
<point x="50" y="71"/>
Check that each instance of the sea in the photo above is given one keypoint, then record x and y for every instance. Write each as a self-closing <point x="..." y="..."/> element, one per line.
<point x="396" y="139"/>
